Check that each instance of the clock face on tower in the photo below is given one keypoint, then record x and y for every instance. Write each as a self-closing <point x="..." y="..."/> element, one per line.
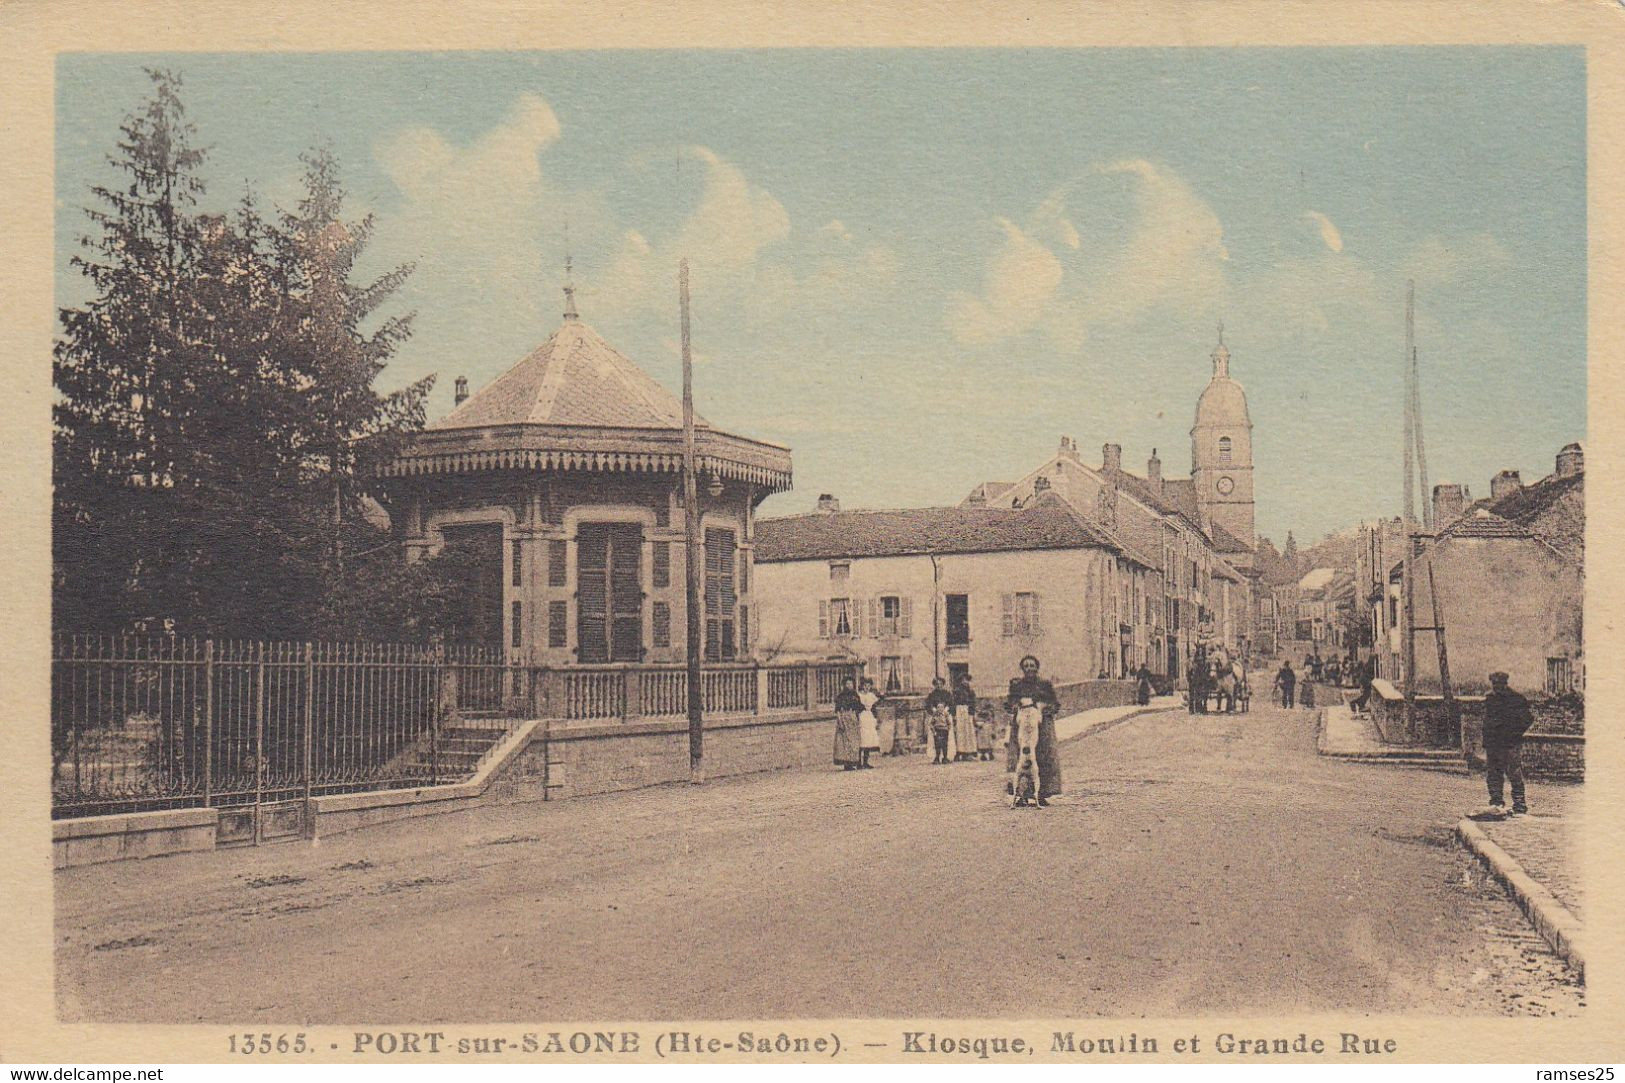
<point x="1225" y="486"/>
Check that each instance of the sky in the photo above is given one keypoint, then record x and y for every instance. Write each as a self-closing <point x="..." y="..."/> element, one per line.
<point x="920" y="268"/>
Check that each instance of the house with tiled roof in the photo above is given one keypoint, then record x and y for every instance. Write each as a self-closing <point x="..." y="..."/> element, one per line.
<point x="923" y="592"/>
<point x="1504" y="577"/>
<point x="561" y="480"/>
<point x="1197" y="532"/>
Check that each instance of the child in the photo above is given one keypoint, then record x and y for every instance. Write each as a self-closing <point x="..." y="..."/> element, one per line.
<point x="938" y="702"/>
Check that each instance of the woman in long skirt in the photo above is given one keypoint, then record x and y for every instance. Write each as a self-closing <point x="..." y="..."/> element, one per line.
<point x="1029" y="686"/>
<point x="965" y="738"/>
<point x="847" y="709"/>
<point x="868" y="725"/>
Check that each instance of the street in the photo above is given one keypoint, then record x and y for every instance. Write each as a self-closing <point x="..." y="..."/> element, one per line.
<point x="1196" y="865"/>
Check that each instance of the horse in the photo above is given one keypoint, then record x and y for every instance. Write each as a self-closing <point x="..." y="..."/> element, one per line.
<point x="1224" y="688"/>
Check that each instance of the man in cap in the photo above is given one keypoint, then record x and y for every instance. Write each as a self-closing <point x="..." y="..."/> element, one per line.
<point x="1506" y="719"/>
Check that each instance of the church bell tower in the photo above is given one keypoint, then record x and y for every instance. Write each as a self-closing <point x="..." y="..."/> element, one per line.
<point x="1222" y="452"/>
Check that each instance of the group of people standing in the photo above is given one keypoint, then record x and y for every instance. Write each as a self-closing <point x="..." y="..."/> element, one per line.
<point x="955" y="730"/>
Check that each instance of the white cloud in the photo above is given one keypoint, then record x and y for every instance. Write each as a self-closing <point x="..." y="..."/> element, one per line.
<point x="1073" y="266"/>
<point x="472" y="217"/>
<point x="1020" y="279"/>
<point x="1328" y="231"/>
<point x="744" y="251"/>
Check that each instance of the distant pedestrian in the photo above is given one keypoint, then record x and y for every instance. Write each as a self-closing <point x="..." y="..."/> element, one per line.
<point x="939" y="704"/>
<point x="847" y="709"/>
<point x="1196" y="681"/>
<point x="1507" y="718"/>
<point x="868" y="724"/>
<point x="1286" y="683"/>
<point x="1142" y="686"/>
<point x="1031" y="690"/>
<point x="1366" y="672"/>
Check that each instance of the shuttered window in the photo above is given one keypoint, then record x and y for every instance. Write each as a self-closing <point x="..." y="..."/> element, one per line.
<point x="609" y="592"/>
<point x="660" y="564"/>
<point x="557" y="555"/>
<point x="896" y="616"/>
<point x="558" y="624"/>
<point x="660" y="624"/>
<point x="721" y="596"/>
<point x="518" y="561"/>
<point x="1020" y="616"/>
<point x="517" y="633"/>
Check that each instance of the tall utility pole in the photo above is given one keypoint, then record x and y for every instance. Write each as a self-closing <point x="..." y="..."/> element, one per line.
<point x="691" y="552"/>
<point x="1413" y="444"/>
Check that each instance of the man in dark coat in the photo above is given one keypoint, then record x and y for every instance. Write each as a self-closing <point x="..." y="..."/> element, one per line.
<point x="1285" y="682"/>
<point x="1506" y="719"/>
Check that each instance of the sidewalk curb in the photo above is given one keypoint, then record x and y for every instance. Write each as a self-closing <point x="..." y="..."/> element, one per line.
<point x="1108" y="723"/>
<point x="1551" y="919"/>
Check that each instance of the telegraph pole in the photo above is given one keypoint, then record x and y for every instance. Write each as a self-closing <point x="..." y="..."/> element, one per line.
<point x="691" y="552"/>
<point x="1413" y="423"/>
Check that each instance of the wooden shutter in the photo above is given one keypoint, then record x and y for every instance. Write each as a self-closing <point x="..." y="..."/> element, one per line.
<point x="1036" y="626"/>
<point x="660" y="620"/>
<point x="556" y="558"/>
<point x="874" y="618"/>
<point x="558" y="621"/>
<point x="626" y="593"/>
<point x="823" y="620"/>
<point x="660" y="561"/>
<point x="1008" y="602"/>
<point x="906" y="666"/>
<point x="592" y="593"/>
<point x="905" y="618"/>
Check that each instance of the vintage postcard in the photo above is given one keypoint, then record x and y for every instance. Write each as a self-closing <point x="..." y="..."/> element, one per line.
<point x="835" y="534"/>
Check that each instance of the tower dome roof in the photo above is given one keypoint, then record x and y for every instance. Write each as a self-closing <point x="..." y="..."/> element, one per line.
<point x="1224" y="400"/>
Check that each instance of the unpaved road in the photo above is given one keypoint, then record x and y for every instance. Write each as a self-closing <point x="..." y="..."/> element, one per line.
<point x="1197" y="866"/>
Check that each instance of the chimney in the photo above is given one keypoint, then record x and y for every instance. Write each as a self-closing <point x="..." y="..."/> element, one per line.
<point x="462" y="391"/>
<point x="1111" y="457"/>
<point x="1507" y="481"/>
<point x="828" y="504"/>
<point x="1571" y="461"/>
<point x="1153" y="472"/>
<point x="1449" y="502"/>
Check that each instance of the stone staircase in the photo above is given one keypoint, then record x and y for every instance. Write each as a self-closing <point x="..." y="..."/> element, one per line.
<point x="1354" y="738"/>
<point x="1426" y="759"/>
<point x="463" y="744"/>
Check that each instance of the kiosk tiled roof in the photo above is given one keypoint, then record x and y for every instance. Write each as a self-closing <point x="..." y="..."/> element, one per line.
<point x="574" y="378"/>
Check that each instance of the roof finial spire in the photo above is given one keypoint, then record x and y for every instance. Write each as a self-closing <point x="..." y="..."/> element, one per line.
<point x="1221" y="357"/>
<point x="570" y="312"/>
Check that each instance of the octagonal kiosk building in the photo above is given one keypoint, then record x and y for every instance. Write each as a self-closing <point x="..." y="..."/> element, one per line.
<point x="563" y="478"/>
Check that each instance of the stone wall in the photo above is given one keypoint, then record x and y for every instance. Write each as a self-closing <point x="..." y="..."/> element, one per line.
<point x="91" y="840"/>
<point x="1553" y="749"/>
<point x="574" y="760"/>
<point x="1088" y="695"/>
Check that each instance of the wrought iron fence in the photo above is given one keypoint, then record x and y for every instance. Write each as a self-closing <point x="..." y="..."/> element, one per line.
<point x="143" y="723"/>
<point x="162" y="722"/>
